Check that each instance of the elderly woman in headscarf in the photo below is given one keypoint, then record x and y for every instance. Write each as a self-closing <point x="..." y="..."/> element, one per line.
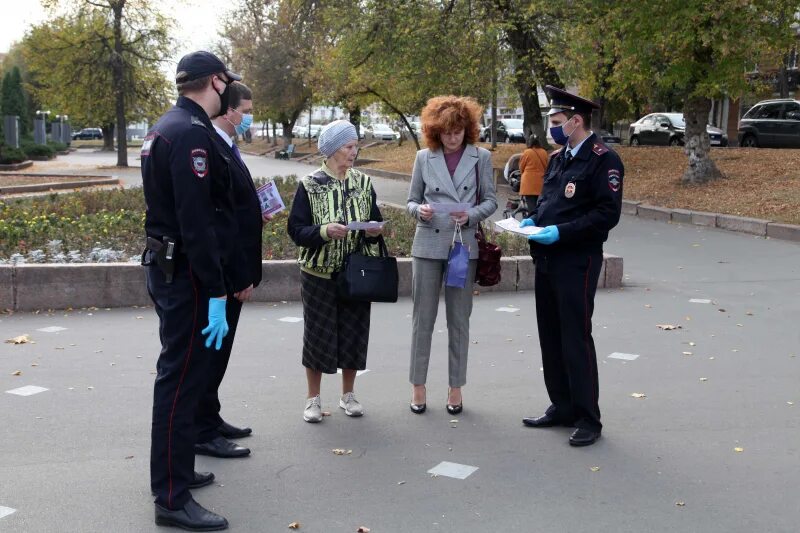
<point x="336" y="332"/>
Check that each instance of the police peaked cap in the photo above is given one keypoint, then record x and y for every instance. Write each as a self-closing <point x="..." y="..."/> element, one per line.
<point x="200" y="64"/>
<point x="561" y="100"/>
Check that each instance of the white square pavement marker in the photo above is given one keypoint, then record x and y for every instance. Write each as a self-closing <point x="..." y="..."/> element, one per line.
<point x="51" y="329"/>
<point x="453" y="470"/>
<point x="699" y="301"/>
<point x="291" y="319"/>
<point x="27" y="390"/>
<point x="624" y="356"/>
<point x="5" y="511"/>
<point x="507" y="309"/>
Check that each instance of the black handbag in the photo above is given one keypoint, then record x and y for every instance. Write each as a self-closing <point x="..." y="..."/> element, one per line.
<point x="367" y="278"/>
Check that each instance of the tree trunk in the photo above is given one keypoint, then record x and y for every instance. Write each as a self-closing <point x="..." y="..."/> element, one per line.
<point x="354" y="114"/>
<point x="275" y="134"/>
<point x="108" y="137"/>
<point x="697" y="146"/>
<point x="118" y="77"/>
<point x="287" y="132"/>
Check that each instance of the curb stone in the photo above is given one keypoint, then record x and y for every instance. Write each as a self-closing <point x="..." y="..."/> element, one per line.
<point x="60" y="286"/>
<point x="787" y="232"/>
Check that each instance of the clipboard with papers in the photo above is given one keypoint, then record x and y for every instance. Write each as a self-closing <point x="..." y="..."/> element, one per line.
<point x="512" y="225"/>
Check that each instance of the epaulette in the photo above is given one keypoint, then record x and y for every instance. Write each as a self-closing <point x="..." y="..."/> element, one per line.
<point x="197" y="122"/>
<point x="599" y="149"/>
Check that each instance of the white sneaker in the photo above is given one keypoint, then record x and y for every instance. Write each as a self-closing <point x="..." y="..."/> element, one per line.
<point x="350" y="405"/>
<point x="313" y="410"/>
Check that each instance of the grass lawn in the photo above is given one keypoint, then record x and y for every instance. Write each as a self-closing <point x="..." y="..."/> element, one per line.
<point x="759" y="182"/>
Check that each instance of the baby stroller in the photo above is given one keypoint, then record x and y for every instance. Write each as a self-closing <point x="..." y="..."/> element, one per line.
<point x="511" y="173"/>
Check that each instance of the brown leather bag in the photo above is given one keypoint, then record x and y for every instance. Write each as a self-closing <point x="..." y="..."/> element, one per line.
<point x="488" y="271"/>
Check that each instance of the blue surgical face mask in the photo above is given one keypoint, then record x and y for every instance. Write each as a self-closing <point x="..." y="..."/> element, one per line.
<point x="558" y="135"/>
<point x="244" y="125"/>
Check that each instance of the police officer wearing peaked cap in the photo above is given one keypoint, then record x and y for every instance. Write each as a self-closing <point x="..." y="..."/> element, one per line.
<point x="581" y="202"/>
<point x="190" y="226"/>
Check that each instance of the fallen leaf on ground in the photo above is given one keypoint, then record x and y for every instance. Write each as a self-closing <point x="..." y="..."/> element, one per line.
<point x="668" y="327"/>
<point x="638" y="395"/>
<point x="401" y="482"/>
<point x="21" y="339"/>
<point x="687" y="353"/>
<point x="294" y="525"/>
<point x="721" y="310"/>
<point x="680" y="504"/>
<point x="362" y="529"/>
<point x="703" y="379"/>
<point x="692" y="344"/>
<point x="326" y="413"/>
<point x="789" y="403"/>
<point x="749" y="313"/>
<point x="594" y="468"/>
<point x="128" y="457"/>
<point x="647" y="306"/>
<point x="16" y="373"/>
<point x="341" y="451"/>
<point x="738" y="449"/>
<point x="34" y="364"/>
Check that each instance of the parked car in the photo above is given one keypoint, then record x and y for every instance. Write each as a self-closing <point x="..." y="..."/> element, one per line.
<point x="88" y="133"/>
<point x="508" y="130"/>
<point x="609" y="138"/>
<point x="382" y="132"/>
<point x="304" y="132"/>
<point x="668" y="129"/>
<point x="771" y="124"/>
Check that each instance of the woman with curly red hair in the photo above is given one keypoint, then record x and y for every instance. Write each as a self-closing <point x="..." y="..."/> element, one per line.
<point x="450" y="170"/>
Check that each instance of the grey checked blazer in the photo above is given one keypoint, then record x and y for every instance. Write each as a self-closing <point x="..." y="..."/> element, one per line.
<point x="431" y="182"/>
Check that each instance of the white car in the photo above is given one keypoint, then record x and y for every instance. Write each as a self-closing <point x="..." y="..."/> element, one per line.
<point x="382" y="132"/>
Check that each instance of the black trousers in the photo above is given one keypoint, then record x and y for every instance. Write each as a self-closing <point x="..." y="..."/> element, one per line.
<point x="208" y="418"/>
<point x="565" y="287"/>
<point x="183" y="367"/>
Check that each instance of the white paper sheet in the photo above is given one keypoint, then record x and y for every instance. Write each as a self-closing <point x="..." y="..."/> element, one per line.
<point x="51" y="329"/>
<point x="5" y="511"/>
<point x="512" y="225"/>
<point x="27" y="390"/>
<point x="624" y="356"/>
<point x="270" y="199"/>
<point x="365" y="225"/>
<point x="453" y="470"/>
<point x="449" y="208"/>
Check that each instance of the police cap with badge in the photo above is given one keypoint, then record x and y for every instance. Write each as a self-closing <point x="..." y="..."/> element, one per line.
<point x="561" y="101"/>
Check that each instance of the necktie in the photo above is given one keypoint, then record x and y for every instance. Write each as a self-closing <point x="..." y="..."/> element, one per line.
<point x="568" y="156"/>
<point x="235" y="150"/>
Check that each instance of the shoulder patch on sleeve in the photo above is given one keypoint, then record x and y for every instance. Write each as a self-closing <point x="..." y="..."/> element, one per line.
<point x="147" y="143"/>
<point x="199" y="158"/>
<point x="614" y="180"/>
<point x="599" y="149"/>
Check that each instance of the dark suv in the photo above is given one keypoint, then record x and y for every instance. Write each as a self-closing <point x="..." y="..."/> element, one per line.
<point x="771" y="124"/>
<point x="88" y="133"/>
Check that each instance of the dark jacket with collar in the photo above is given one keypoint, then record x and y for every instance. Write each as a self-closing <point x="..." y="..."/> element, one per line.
<point x="188" y="192"/>
<point x="244" y="266"/>
<point x="582" y="197"/>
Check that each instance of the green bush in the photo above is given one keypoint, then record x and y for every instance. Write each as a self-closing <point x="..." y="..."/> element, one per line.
<point x="58" y="147"/>
<point x="10" y="155"/>
<point x="38" y="150"/>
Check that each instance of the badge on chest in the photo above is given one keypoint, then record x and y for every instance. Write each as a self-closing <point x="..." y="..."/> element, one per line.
<point x="569" y="190"/>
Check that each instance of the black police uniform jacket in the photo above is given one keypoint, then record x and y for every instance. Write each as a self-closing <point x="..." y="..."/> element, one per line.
<point x="244" y="267"/>
<point x="582" y="197"/>
<point x="188" y="192"/>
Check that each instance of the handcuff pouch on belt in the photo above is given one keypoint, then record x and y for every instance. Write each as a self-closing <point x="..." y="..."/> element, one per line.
<point x="164" y="253"/>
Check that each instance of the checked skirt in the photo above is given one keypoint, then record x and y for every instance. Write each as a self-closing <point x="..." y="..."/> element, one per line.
<point x="336" y="332"/>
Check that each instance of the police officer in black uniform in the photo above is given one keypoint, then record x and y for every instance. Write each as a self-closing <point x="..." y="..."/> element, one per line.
<point x="581" y="201"/>
<point x="243" y="273"/>
<point x="190" y="226"/>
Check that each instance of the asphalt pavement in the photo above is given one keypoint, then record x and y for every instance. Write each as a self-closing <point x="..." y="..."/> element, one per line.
<point x="701" y="419"/>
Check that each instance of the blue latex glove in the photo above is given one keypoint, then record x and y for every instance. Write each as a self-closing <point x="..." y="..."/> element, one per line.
<point x="548" y="235"/>
<point x="217" y="326"/>
<point x="527" y="222"/>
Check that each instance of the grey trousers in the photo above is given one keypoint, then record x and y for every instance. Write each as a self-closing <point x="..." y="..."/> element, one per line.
<point x="426" y="284"/>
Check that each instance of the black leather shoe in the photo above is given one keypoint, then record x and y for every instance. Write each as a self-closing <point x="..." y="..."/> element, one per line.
<point x="221" y="447"/>
<point x="544" y="421"/>
<point x="232" y="432"/>
<point x="193" y="517"/>
<point x="455" y="409"/>
<point x="583" y="437"/>
<point x="202" y="479"/>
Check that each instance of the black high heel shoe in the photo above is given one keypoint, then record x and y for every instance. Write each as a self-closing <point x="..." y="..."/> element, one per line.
<point x="417" y="409"/>
<point x="454" y="409"/>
